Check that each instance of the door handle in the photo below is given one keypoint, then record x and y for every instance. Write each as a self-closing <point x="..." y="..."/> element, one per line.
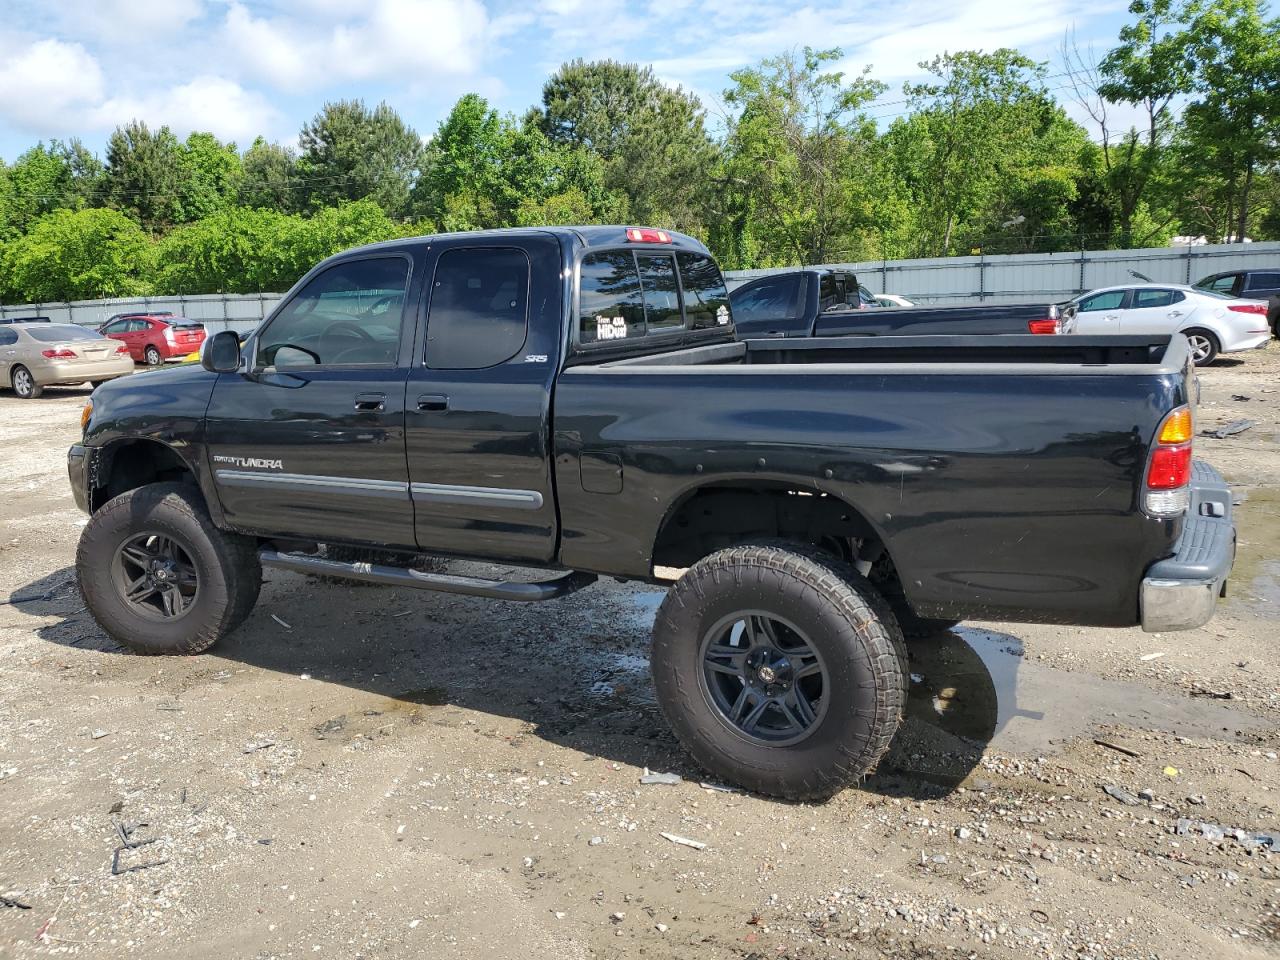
<point x="1111" y="316"/>
<point x="1175" y="313"/>
<point x="433" y="401"/>
<point x="371" y="401"/>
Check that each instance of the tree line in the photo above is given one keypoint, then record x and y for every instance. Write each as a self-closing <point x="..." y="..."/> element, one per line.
<point x="800" y="164"/>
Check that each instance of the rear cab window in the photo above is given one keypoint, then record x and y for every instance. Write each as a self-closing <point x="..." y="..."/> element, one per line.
<point x="1263" y="281"/>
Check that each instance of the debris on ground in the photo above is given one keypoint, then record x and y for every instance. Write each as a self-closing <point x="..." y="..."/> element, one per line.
<point x="1121" y="794"/>
<point x="1199" y="691"/>
<point x="684" y="841"/>
<point x="11" y="902"/>
<point x="260" y="745"/>
<point x="1229" y="429"/>
<point x="281" y="622"/>
<point x="1117" y="748"/>
<point x="668" y="778"/>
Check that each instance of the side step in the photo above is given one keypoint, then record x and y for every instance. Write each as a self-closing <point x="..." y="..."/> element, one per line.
<point x="559" y="586"/>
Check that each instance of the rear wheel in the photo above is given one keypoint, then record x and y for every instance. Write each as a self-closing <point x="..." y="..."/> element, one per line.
<point x="1204" y="346"/>
<point x="24" y="384"/>
<point x="159" y="577"/>
<point x="152" y="356"/>
<point x="779" y="668"/>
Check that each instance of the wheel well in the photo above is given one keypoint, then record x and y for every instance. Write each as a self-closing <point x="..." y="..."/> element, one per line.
<point x="130" y="464"/>
<point x="714" y="517"/>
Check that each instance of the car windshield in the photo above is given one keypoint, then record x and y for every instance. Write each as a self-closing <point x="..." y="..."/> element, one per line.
<point x="60" y="333"/>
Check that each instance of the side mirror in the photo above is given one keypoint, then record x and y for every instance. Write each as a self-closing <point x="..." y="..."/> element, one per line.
<point x="221" y="352"/>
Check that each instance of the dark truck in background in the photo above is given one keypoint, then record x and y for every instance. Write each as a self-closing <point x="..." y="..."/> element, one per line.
<point x="818" y="302"/>
<point x="574" y="399"/>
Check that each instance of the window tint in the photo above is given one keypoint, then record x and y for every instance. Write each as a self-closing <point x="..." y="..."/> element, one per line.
<point x="706" y="301"/>
<point x="60" y="333"/>
<point x="1108" y="300"/>
<point x="478" y="316"/>
<point x="1221" y="284"/>
<point x="661" y="292"/>
<point x="769" y="300"/>
<point x="1264" y="281"/>
<point x="350" y="313"/>
<point x="138" y="326"/>
<point x="1177" y="296"/>
<point x="116" y="326"/>
<point x="8" y="337"/>
<point x="1153" y="298"/>
<point x="611" y="305"/>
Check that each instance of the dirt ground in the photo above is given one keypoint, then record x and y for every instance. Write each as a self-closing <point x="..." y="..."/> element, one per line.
<point x="364" y="772"/>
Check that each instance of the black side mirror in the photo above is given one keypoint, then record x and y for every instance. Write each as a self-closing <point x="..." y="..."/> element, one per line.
<point x="221" y="352"/>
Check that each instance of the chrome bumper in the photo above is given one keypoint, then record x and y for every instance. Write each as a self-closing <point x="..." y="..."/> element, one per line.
<point x="1181" y="592"/>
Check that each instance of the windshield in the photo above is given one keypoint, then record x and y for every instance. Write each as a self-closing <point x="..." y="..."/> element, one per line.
<point x="60" y="333"/>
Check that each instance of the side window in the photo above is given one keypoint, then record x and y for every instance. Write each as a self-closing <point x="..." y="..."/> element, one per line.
<point x="116" y="326"/>
<point x="1153" y="298"/>
<point x="771" y="300"/>
<point x="8" y="337"/>
<point x="139" y="326"/>
<point x="611" y="305"/>
<point x="661" y="292"/>
<point x="706" y="301"/>
<point x="479" y="311"/>
<point x="1263" y="281"/>
<point x="1222" y="284"/>
<point x="349" y="314"/>
<point x="1176" y="296"/>
<point x="1107" y="300"/>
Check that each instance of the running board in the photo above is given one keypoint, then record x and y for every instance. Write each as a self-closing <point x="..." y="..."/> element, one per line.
<point x="440" y="582"/>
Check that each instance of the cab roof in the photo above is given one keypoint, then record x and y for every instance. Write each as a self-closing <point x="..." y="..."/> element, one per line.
<point x="583" y="236"/>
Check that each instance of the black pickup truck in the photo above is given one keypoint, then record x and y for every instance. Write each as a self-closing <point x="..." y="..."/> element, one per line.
<point x="820" y="302"/>
<point x="575" y="400"/>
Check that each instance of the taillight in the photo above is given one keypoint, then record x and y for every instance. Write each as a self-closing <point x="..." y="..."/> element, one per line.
<point x="645" y="235"/>
<point x="1045" y="326"/>
<point x="1168" y="491"/>
<point x="62" y="353"/>
<point x="1258" y="308"/>
<point x="123" y="348"/>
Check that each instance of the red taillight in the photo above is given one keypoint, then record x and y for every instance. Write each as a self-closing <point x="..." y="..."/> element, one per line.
<point x="1045" y="326"/>
<point x="645" y="235"/>
<point x="1258" y="308"/>
<point x="62" y="353"/>
<point x="1170" y="467"/>
<point x="123" y="348"/>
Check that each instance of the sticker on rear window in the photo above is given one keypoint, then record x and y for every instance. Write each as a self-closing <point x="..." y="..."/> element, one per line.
<point x="611" y="328"/>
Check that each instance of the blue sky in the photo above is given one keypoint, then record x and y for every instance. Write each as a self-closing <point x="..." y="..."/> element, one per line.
<point x="243" y="67"/>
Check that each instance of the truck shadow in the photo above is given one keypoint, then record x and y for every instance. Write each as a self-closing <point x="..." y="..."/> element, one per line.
<point x="574" y="672"/>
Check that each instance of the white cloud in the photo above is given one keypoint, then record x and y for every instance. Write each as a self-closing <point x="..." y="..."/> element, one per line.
<point x="117" y="21"/>
<point x="211" y="103"/>
<point x="46" y="85"/>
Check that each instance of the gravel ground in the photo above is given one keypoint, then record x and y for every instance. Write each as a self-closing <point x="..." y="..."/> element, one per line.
<point x="367" y="772"/>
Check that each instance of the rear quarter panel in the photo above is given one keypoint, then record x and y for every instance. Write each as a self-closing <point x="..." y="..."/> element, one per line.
<point x="999" y="496"/>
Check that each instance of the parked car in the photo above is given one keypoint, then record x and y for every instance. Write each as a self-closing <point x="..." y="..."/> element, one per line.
<point x="154" y="338"/>
<point x="137" y="313"/>
<point x="37" y="355"/>
<point x="1214" y="322"/>
<point x="24" y="320"/>
<point x="1252" y="285"/>
<point x="816" y="302"/>
<point x="574" y="399"/>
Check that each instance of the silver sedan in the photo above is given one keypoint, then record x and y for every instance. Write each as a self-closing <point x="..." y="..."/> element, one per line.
<point x="37" y="355"/>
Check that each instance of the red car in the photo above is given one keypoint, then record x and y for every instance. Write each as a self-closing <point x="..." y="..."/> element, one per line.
<point x="154" y="338"/>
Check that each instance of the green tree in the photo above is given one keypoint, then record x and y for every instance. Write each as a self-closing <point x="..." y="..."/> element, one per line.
<point x="652" y="139"/>
<point x="209" y="174"/>
<point x="232" y="251"/>
<point x="143" y="175"/>
<point x="78" y="255"/>
<point x="350" y="152"/>
<point x="43" y="179"/>
<point x="269" y="177"/>
<point x="798" y="162"/>
<point x="339" y="228"/>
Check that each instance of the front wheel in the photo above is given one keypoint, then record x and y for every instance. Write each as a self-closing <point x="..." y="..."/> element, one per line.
<point x="24" y="384"/>
<point x="1204" y="346"/>
<point x="779" y="668"/>
<point x="159" y="577"/>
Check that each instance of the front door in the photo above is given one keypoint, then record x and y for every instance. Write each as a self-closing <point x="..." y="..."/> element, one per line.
<point x="478" y="407"/>
<point x="309" y="441"/>
<point x="1100" y="313"/>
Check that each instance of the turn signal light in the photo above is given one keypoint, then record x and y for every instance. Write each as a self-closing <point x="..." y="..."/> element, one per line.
<point x="1176" y="427"/>
<point x="644" y="235"/>
<point x="85" y="414"/>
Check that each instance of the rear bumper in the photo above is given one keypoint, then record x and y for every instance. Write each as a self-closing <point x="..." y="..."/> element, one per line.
<point x="1248" y="341"/>
<point x="79" y="371"/>
<point x="1181" y="592"/>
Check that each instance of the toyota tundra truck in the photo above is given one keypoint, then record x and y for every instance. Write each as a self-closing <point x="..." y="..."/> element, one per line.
<point x="574" y="400"/>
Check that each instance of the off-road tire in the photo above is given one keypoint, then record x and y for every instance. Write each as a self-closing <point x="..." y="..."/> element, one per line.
<point x="846" y="621"/>
<point x="884" y="577"/>
<point x="1211" y="341"/>
<point x="152" y="357"/>
<point x="24" y="383"/>
<point x="227" y="566"/>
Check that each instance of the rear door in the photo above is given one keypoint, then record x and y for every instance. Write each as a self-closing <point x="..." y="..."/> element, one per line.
<point x="309" y="441"/>
<point x="478" y="409"/>
<point x="1100" y="312"/>
<point x="1155" y="310"/>
<point x="771" y="307"/>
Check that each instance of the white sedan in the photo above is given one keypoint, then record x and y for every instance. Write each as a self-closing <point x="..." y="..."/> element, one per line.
<point x="1213" y="322"/>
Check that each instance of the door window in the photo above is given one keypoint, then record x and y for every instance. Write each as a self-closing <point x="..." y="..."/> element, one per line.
<point x="1152" y="298"/>
<point x="349" y="314"/>
<point x="1221" y="284"/>
<point x="138" y="326"/>
<point x="479" y="310"/>
<point x="1264" y="281"/>
<point x="8" y="337"/>
<point x="116" y="326"/>
<point x="1107" y="300"/>
<point x="706" y="301"/>
<point x="771" y="300"/>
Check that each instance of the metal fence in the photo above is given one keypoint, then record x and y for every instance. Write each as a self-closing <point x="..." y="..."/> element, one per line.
<point x="1043" y="276"/>
<point x="1036" y="277"/>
